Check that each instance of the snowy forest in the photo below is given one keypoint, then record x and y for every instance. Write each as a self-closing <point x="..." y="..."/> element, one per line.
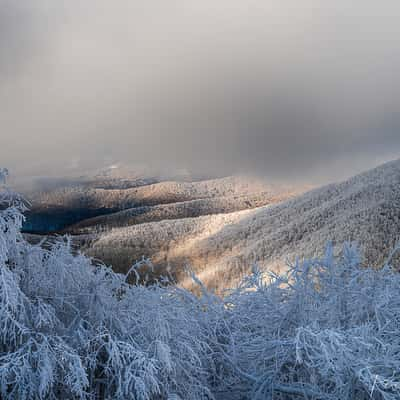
<point x="71" y="328"/>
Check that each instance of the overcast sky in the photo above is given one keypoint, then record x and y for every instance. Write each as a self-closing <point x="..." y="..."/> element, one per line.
<point x="305" y="89"/>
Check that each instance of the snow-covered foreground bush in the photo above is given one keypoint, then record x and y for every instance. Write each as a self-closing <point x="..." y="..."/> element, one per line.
<point x="69" y="329"/>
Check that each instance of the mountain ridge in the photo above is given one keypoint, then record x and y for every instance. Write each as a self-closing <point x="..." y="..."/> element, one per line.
<point x="364" y="208"/>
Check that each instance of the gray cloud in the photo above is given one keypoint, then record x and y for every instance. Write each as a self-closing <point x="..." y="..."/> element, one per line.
<point x="286" y="89"/>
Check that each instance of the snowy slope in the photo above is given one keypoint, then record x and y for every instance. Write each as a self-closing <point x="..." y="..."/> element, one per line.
<point x="365" y="208"/>
<point x="179" y="210"/>
<point x="152" y="194"/>
<point x="63" y="203"/>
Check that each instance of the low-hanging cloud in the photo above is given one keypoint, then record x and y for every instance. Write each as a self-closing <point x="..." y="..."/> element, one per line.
<point x="282" y="88"/>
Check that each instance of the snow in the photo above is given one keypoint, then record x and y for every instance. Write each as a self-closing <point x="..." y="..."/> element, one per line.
<point x="178" y="210"/>
<point x="85" y="195"/>
<point x="70" y="328"/>
<point x="220" y="248"/>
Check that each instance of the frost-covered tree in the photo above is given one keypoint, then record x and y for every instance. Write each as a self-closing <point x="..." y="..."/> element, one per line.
<point x="71" y="328"/>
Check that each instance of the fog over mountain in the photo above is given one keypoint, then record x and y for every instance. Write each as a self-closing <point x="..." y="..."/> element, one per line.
<point x="284" y="89"/>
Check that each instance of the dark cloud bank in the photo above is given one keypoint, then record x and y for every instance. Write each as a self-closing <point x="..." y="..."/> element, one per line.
<point x="298" y="89"/>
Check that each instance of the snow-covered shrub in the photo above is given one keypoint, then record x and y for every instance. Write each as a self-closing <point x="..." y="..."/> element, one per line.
<point x="71" y="328"/>
<point x="328" y="329"/>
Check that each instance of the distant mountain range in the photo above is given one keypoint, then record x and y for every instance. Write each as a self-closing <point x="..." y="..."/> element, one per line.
<point x="220" y="226"/>
<point x="100" y="202"/>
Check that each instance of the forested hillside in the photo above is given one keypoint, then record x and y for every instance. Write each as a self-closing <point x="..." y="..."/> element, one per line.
<point x="365" y="209"/>
<point x="179" y="210"/>
<point x="153" y="194"/>
<point x="69" y="205"/>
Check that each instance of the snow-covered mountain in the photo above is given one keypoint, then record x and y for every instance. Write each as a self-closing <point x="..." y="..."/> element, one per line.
<point x="60" y="204"/>
<point x="365" y="208"/>
<point x="179" y="210"/>
<point x="152" y="194"/>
